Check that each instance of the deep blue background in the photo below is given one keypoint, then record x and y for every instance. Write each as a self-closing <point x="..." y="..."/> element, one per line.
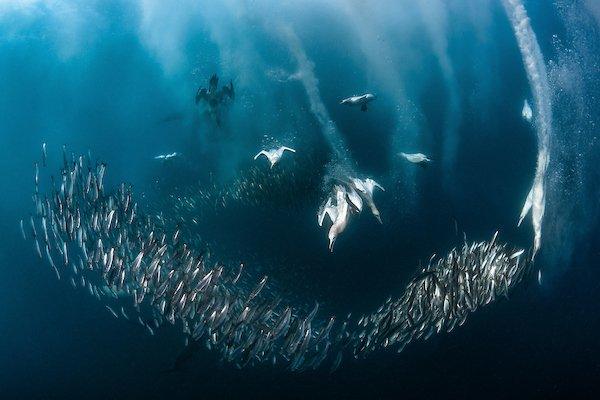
<point x="110" y="95"/>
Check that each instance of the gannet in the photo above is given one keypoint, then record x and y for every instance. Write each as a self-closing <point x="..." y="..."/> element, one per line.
<point x="370" y="186"/>
<point x="215" y="98"/>
<point x="361" y="100"/>
<point x="416" y="158"/>
<point x="527" y="113"/>
<point x="166" y="157"/>
<point x="341" y="220"/>
<point x="274" y="155"/>
<point x="366" y="188"/>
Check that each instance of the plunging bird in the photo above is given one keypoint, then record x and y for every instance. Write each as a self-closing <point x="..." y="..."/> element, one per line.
<point x="366" y="188"/>
<point x="341" y="218"/>
<point x="167" y="157"/>
<point x="274" y="155"/>
<point x="360" y="100"/>
<point x="215" y="99"/>
<point x="416" y="158"/>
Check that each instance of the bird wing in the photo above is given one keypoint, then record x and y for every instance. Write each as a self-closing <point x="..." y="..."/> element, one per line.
<point x="320" y="217"/>
<point x="359" y="185"/>
<point x="355" y="199"/>
<point x="330" y="211"/>
<point x="378" y="185"/>
<point x="283" y="148"/>
<point x="263" y="153"/>
<point x="160" y="157"/>
<point x="327" y="210"/>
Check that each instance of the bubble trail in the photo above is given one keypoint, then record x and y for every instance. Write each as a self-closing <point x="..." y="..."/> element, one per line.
<point x="435" y="20"/>
<point x="533" y="61"/>
<point x="309" y="81"/>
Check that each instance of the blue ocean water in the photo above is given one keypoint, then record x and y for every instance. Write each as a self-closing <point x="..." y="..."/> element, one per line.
<point x="118" y="79"/>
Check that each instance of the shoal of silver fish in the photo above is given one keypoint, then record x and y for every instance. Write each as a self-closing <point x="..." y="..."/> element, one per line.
<point x="147" y="268"/>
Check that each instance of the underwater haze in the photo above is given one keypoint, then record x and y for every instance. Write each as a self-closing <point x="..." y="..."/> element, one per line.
<point x="299" y="199"/>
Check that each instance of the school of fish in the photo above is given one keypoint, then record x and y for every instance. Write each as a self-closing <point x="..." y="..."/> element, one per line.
<point x="145" y="269"/>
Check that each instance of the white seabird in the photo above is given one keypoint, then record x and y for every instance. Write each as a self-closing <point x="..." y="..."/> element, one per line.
<point x="361" y="100"/>
<point x="416" y="158"/>
<point x="166" y="157"/>
<point x="527" y="112"/>
<point x="366" y="188"/>
<point x="274" y="155"/>
<point x="341" y="220"/>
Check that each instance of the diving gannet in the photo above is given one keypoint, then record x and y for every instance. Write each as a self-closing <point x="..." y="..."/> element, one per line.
<point x="167" y="157"/>
<point x="341" y="220"/>
<point x="361" y="100"/>
<point x="274" y="155"/>
<point x="416" y="158"/>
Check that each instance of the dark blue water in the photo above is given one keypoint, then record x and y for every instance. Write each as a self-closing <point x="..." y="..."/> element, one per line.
<point x="118" y="79"/>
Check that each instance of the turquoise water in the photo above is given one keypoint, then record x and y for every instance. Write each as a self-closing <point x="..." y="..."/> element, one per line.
<point x="118" y="80"/>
